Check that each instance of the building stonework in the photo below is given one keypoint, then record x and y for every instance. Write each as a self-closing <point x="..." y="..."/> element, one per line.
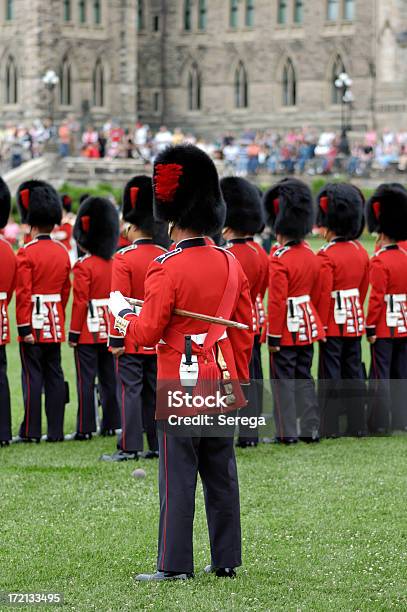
<point x="209" y="66"/>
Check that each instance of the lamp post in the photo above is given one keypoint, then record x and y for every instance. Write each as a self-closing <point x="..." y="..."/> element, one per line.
<point x="344" y="84"/>
<point x="50" y="80"/>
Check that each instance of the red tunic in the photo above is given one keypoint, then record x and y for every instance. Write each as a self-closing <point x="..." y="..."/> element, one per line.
<point x="63" y="233"/>
<point x="42" y="289"/>
<point x="344" y="269"/>
<point x="7" y="286"/>
<point x="388" y="278"/>
<point x="263" y="284"/>
<point x="294" y="273"/>
<point x="250" y="261"/>
<point x="92" y="277"/>
<point x="129" y="271"/>
<point x="193" y="277"/>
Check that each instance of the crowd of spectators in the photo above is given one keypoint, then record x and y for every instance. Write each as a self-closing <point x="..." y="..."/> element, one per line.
<point x="300" y="151"/>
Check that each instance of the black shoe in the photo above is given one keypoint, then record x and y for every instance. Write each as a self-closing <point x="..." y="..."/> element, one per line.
<point x="52" y="440"/>
<point x="4" y="443"/>
<point x="78" y="437"/>
<point x="119" y="456"/>
<point x="246" y="444"/>
<point x="24" y="440"/>
<point x="108" y="433"/>
<point x="310" y="439"/>
<point x="159" y="576"/>
<point x="221" y="572"/>
<point x="150" y="454"/>
<point x="286" y="441"/>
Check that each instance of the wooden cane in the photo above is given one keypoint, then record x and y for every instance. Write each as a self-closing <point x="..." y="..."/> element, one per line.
<point x="196" y="315"/>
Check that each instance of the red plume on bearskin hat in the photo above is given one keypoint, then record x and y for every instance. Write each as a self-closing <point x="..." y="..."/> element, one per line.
<point x="244" y="209"/>
<point x="138" y="203"/>
<point x="290" y="209"/>
<point x="97" y="227"/>
<point x="340" y="209"/>
<point x="187" y="191"/>
<point x="5" y="203"/>
<point x="138" y="209"/>
<point x="386" y="211"/>
<point x="66" y="202"/>
<point x="39" y="204"/>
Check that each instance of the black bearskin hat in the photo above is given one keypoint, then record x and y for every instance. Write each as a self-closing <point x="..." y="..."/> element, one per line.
<point x="138" y="203"/>
<point x="97" y="227"/>
<point x="244" y="212"/>
<point x="39" y="204"/>
<point x="289" y="208"/>
<point x="386" y="211"/>
<point x="340" y="209"/>
<point x="187" y="191"/>
<point x="66" y="202"/>
<point x="5" y="203"/>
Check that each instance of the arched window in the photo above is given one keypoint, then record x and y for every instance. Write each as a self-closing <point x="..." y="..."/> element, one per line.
<point x="202" y="15"/>
<point x="233" y="14"/>
<point x="194" y="88"/>
<point x="349" y="10"/>
<point x="241" y="87"/>
<point x="97" y="12"/>
<point x="67" y="10"/>
<point x="249" y="13"/>
<point x="337" y="69"/>
<point x="9" y="10"/>
<point x="187" y="16"/>
<point x="65" y="83"/>
<point x="332" y="10"/>
<point x="298" y="11"/>
<point x="98" y="84"/>
<point x="282" y="12"/>
<point x="289" y="85"/>
<point x="11" y="82"/>
<point x="82" y="11"/>
<point x="141" y="22"/>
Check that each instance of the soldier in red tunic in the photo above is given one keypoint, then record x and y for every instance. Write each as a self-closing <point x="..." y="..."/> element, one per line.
<point x="42" y="292"/>
<point x="386" y="323"/>
<point x="293" y="321"/>
<point x="96" y="232"/>
<point x="193" y="355"/>
<point x="63" y="232"/>
<point x="244" y="215"/>
<point x="137" y="365"/>
<point x="344" y="285"/>
<point x="7" y="286"/>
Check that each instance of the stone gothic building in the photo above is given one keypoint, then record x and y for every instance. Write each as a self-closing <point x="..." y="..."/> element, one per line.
<point x="207" y="65"/>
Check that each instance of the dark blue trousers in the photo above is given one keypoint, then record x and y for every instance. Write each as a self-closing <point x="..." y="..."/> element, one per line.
<point x="95" y="360"/>
<point x="41" y="370"/>
<point x="340" y="361"/>
<point x="137" y="384"/>
<point x="388" y="385"/>
<point x="5" y="408"/>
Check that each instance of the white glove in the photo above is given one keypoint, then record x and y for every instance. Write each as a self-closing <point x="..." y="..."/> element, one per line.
<point x="117" y="303"/>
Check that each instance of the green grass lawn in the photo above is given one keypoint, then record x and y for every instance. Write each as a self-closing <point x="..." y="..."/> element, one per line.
<point x="324" y="526"/>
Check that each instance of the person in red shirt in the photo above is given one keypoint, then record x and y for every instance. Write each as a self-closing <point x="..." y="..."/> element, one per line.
<point x="386" y="322"/>
<point x="293" y="321"/>
<point x="195" y="355"/>
<point x="42" y="292"/>
<point x="344" y="284"/>
<point x="96" y="231"/>
<point x="63" y="232"/>
<point x="137" y="365"/>
<point x="244" y="215"/>
<point x="7" y="286"/>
